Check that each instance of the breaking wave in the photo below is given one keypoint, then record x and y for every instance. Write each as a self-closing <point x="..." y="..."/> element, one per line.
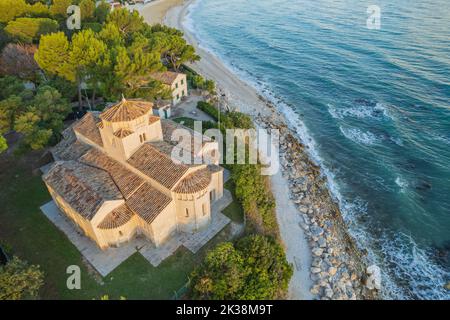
<point x="356" y="135"/>
<point x="376" y="111"/>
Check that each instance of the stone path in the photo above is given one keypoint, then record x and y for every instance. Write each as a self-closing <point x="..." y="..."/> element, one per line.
<point x="105" y="261"/>
<point x="188" y="108"/>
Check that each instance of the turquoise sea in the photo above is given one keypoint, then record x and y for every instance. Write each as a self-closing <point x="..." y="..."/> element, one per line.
<point x="374" y="105"/>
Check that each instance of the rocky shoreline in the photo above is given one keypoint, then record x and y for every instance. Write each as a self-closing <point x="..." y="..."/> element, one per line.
<point x="339" y="270"/>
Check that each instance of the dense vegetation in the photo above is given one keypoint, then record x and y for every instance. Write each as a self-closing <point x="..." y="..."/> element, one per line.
<point x="256" y="267"/>
<point x="19" y="280"/>
<point x="253" y="269"/>
<point x="252" y="188"/>
<point x="114" y="53"/>
<point x="44" y="68"/>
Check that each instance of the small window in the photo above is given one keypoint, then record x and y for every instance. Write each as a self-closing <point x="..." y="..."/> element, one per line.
<point x="187" y="213"/>
<point x="182" y="81"/>
<point x="120" y="233"/>
<point x="204" y="209"/>
<point x="178" y="97"/>
<point x="145" y="138"/>
<point x="140" y="138"/>
<point x="182" y="93"/>
<point x="176" y="85"/>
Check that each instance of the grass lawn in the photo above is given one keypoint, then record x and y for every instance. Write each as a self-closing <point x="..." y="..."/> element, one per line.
<point x="31" y="236"/>
<point x="234" y="211"/>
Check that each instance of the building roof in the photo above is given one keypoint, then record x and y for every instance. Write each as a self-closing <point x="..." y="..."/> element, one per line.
<point x="147" y="202"/>
<point x="153" y="119"/>
<point x="83" y="187"/>
<point x="126" y="110"/>
<point x="87" y="127"/>
<point x="116" y="218"/>
<point x="69" y="148"/>
<point x="127" y="181"/>
<point x="157" y="165"/>
<point x="196" y="142"/>
<point x="123" y="133"/>
<point x="166" y="77"/>
<point x="162" y="104"/>
<point x="194" y="182"/>
<point x="87" y="177"/>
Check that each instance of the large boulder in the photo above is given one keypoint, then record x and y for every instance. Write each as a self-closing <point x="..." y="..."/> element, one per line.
<point x="374" y="278"/>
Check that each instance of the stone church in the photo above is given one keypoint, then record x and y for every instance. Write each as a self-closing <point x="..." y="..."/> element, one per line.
<point x="114" y="176"/>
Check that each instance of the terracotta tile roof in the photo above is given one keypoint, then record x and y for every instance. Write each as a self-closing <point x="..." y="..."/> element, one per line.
<point x="197" y="139"/>
<point x="147" y="202"/>
<point x="122" y="133"/>
<point x="126" y="181"/>
<point x="126" y="110"/>
<point x="194" y="182"/>
<point x="157" y="165"/>
<point x="116" y="218"/>
<point x="83" y="187"/>
<point x="69" y="148"/>
<point x="87" y="127"/>
<point x="166" y="77"/>
<point x="153" y="119"/>
<point x="163" y="146"/>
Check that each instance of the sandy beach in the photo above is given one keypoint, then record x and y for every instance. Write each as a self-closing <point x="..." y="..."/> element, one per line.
<point x="327" y="264"/>
<point x="241" y="95"/>
<point x="154" y="12"/>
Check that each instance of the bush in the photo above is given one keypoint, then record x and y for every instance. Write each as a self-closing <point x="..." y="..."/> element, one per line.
<point x="30" y="29"/>
<point x="18" y="280"/>
<point x="209" y="109"/>
<point x="255" y="269"/>
<point x="94" y="26"/>
<point x="252" y="189"/>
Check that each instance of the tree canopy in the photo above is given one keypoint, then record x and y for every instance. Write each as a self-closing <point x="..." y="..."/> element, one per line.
<point x="58" y="9"/>
<point x="30" y="29"/>
<point x="3" y="144"/>
<point x="10" y="9"/>
<point x="42" y="120"/>
<point x="254" y="269"/>
<point x="19" y="280"/>
<point x="18" y="60"/>
<point x="119" y="59"/>
<point x="37" y="115"/>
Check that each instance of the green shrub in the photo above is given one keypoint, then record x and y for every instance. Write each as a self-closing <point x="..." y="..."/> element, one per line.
<point x="30" y="29"/>
<point x="209" y="109"/>
<point x="19" y="280"/>
<point x="255" y="269"/>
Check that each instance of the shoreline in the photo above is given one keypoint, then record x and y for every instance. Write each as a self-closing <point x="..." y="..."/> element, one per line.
<point x="327" y="263"/>
<point x="155" y="11"/>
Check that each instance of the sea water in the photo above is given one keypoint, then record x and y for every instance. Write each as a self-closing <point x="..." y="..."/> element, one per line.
<point x="374" y="106"/>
